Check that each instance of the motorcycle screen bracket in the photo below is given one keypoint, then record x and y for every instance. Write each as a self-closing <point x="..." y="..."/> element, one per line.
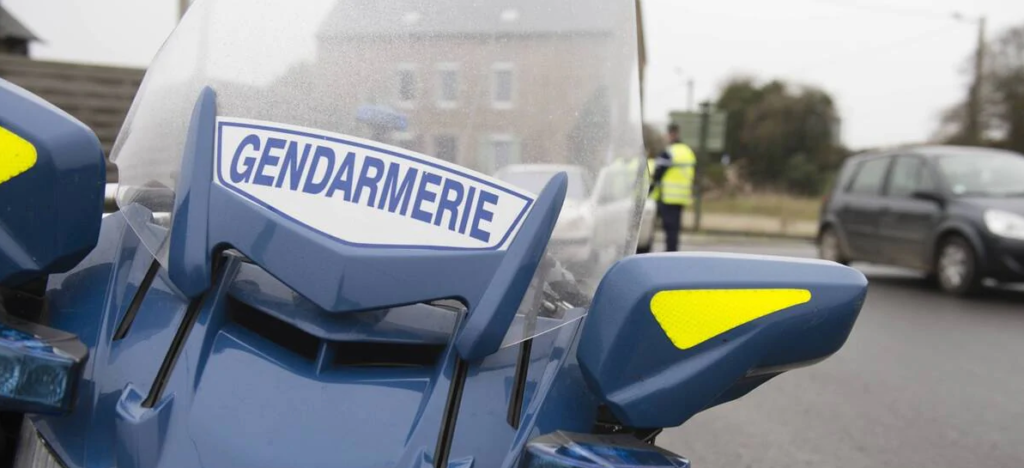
<point x="348" y="278"/>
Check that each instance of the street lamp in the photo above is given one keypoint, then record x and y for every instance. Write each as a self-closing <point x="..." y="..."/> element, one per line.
<point x="689" y="88"/>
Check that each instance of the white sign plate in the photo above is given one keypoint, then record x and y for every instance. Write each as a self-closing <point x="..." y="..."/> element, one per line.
<point x="365" y="193"/>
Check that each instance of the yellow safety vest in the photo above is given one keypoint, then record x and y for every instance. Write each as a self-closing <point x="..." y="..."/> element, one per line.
<point x="677" y="184"/>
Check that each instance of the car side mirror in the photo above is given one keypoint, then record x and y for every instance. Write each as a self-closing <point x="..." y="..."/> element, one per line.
<point x="52" y="178"/>
<point x="929" y="195"/>
<point x="670" y="335"/>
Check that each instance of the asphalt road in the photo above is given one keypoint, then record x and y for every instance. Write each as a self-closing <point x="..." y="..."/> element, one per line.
<point x="925" y="380"/>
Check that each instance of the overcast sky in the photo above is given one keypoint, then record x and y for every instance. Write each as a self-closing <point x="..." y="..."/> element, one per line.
<point x="892" y="65"/>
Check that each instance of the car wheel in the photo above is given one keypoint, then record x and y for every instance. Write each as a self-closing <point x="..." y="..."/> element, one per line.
<point x="829" y="247"/>
<point x="956" y="266"/>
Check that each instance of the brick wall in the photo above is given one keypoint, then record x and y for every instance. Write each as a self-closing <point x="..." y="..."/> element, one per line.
<point x="98" y="96"/>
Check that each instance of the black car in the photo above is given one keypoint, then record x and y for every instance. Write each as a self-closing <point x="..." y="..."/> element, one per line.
<point x="955" y="213"/>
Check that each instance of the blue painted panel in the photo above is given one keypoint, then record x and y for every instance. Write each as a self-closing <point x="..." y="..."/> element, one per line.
<point x="282" y="415"/>
<point x="90" y="302"/>
<point x="236" y="399"/>
<point x="191" y="269"/>
<point x="50" y="214"/>
<point x="556" y="396"/>
<point x="417" y="323"/>
<point x="629" y="361"/>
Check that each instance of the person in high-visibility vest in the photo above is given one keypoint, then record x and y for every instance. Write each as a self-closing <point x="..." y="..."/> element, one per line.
<point x="673" y="184"/>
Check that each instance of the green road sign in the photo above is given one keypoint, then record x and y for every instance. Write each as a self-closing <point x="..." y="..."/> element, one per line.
<point x="689" y="129"/>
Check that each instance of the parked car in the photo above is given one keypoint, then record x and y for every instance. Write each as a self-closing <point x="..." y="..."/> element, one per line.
<point x="613" y="200"/>
<point x="955" y="213"/>
<point x="596" y="210"/>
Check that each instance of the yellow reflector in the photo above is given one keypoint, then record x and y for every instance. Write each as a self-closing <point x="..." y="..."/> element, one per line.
<point x="17" y="155"/>
<point x="691" y="317"/>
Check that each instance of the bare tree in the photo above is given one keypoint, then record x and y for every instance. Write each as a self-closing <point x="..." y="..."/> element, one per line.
<point x="1001" y="117"/>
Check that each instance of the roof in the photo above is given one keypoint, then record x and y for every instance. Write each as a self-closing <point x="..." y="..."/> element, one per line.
<point x="947" y="150"/>
<point x="930" y="151"/>
<point x="10" y="27"/>
<point x="470" y="17"/>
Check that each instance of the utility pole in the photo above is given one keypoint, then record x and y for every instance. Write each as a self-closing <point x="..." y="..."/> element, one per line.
<point x="689" y="87"/>
<point x="702" y="156"/>
<point x="689" y="95"/>
<point x="972" y="126"/>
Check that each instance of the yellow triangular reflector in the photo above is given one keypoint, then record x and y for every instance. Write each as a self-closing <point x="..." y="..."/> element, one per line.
<point x="691" y="317"/>
<point x="17" y="155"/>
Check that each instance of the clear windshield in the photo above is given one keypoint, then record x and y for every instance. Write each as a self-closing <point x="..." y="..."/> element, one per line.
<point x="533" y="180"/>
<point x="984" y="174"/>
<point x="484" y="85"/>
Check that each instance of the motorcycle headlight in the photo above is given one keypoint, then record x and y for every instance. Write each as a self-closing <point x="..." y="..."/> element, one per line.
<point x="565" y="450"/>
<point x="1005" y="224"/>
<point x="39" y="367"/>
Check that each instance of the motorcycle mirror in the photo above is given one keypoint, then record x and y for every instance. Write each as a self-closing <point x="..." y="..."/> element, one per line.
<point x="670" y="335"/>
<point x="52" y="177"/>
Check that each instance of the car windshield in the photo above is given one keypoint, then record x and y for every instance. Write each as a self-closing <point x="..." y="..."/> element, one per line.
<point x="463" y="84"/>
<point x="534" y="180"/>
<point x="996" y="174"/>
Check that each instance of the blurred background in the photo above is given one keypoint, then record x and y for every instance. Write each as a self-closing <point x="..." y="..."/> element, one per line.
<point x="794" y="86"/>
<point x="773" y="97"/>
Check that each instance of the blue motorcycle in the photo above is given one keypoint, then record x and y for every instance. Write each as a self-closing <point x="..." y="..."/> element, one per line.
<point x="315" y="262"/>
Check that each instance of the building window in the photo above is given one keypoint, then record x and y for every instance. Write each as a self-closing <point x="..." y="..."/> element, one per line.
<point x="870" y="177"/>
<point x="407" y="84"/>
<point x="503" y="85"/>
<point x="499" y="151"/>
<point x="446" y="147"/>
<point x="447" y="85"/>
<point x="504" y="152"/>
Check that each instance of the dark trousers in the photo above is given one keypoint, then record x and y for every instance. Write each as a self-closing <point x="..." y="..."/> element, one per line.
<point x="672" y="221"/>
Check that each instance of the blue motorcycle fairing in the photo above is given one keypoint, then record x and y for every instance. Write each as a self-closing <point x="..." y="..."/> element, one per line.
<point x="348" y="278"/>
<point x="90" y="302"/>
<point x="236" y="399"/>
<point x="416" y="323"/>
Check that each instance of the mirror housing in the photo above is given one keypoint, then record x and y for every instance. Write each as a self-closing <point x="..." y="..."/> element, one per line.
<point x="52" y="176"/>
<point x="670" y="335"/>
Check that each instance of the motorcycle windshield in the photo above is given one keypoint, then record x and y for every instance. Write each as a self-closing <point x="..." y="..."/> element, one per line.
<point x="513" y="92"/>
